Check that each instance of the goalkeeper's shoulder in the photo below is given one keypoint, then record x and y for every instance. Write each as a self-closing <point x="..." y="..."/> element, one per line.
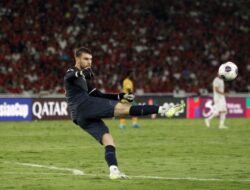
<point x="70" y="73"/>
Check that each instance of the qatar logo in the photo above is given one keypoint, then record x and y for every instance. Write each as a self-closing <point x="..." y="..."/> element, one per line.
<point x="49" y="109"/>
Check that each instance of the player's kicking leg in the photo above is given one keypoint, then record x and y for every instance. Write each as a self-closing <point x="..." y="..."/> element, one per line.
<point x="172" y="110"/>
<point x="140" y="110"/>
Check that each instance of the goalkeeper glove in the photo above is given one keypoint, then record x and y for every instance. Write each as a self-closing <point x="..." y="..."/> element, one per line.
<point x="126" y="96"/>
<point x="87" y="73"/>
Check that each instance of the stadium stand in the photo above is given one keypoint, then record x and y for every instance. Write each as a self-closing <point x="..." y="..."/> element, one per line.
<point x="169" y="45"/>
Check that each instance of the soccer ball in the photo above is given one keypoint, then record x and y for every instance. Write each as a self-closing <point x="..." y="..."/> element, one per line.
<point x="228" y="71"/>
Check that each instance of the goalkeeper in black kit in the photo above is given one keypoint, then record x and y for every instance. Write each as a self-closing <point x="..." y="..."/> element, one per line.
<point x="88" y="106"/>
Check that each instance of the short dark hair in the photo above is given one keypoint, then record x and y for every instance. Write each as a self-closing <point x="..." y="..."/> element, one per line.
<point x="81" y="50"/>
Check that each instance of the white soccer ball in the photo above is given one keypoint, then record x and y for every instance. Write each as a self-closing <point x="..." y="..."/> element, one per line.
<point x="228" y="71"/>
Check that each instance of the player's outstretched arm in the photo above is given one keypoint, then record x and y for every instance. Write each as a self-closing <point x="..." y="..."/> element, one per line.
<point x="97" y="93"/>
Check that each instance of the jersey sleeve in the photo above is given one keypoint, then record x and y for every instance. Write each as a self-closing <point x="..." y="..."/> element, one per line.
<point x="97" y="93"/>
<point x="91" y="88"/>
<point x="71" y="74"/>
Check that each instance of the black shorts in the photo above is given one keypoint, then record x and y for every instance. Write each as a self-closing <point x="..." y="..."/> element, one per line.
<point x="90" y="113"/>
<point x="96" y="128"/>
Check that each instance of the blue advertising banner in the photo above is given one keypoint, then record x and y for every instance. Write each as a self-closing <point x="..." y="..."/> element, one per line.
<point x="15" y="109"/>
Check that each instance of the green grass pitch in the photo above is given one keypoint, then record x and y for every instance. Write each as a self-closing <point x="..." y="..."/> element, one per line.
<point x="163" y="154"/>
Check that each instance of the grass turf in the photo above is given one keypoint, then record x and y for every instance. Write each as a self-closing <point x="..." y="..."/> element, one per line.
<point x="184" y="152"/>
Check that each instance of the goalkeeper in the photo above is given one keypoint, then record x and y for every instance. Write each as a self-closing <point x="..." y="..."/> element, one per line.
<point x="128" y="88"/>
<point x="87" y="106"/>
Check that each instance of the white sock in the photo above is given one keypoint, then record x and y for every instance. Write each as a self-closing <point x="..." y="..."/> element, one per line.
<point x="222" y="118"/>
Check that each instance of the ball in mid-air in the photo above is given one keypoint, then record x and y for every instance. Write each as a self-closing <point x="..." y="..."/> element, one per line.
<point x="228" y="71"/>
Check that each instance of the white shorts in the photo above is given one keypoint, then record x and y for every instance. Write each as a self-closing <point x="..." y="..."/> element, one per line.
<point x="220" y="106"/>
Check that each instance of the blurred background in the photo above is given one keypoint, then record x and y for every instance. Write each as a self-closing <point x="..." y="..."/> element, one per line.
<point x="170" y="46"/>
<point x="173" y="48"/>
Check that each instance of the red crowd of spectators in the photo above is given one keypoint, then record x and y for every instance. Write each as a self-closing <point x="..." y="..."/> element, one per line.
<point x="167" y="45"/>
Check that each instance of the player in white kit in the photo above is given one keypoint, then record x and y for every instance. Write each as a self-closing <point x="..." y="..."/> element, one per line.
<point x="220" y="105"/>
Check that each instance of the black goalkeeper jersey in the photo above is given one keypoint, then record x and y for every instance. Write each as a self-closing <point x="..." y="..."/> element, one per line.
<point x="77" y="90"/>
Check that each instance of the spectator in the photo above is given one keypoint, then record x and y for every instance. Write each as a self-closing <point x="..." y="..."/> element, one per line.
<point x="171" y="45"/>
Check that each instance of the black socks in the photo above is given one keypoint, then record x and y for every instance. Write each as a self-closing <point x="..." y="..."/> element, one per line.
<point x="110" y="156"/>
<point x="143" y="110"/>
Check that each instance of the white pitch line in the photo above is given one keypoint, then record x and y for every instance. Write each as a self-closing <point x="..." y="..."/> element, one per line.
<point x="35" y="173"/>
<point x="190" y="178"/>
<point x="74" y="171"/>
<point x="81" y="173"/>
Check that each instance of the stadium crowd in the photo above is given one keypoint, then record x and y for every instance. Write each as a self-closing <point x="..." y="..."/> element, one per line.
<point x="168" y="45"/>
